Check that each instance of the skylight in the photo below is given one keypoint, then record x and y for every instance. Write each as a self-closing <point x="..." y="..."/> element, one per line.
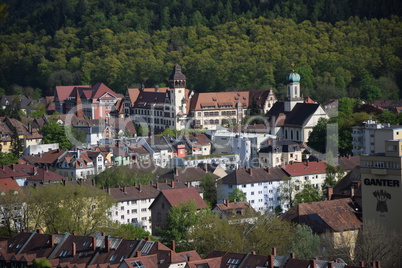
<point x="147" y="247"/>
<point x="137" y="264"/>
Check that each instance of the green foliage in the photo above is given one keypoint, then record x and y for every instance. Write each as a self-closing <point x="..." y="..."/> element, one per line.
<point x="370" y="93"/>
<point x="124" y="176"/>
<point x="318" y="137"/>
<point x="306" y="244"/>
<point x="8" y="158"/>
<point x="388" y="117"/>
<point x="288" y="190"/>
<point x="179" y="220"/>
<point x="16" y="144"/>
<point x="309" y="193"/>
<point x="129" y="231"/>
<point x="68" y="208"/>
<point x="258" y="234"/>
<point x="120" y="48"/>
<point x="44" y="263"/>
<point x="39" y="111"/>
<point x="238" y="195"/>
<point x="142" y="130"/>
<point x="54" y="133"/>
<point x="208" y="184"/>
<point x="333" y="175"/>
<point x="12" y="212"/>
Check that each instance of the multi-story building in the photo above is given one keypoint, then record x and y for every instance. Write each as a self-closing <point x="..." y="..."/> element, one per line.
<point x="369" y="138"/>
<point x="381" y="181"/>
<point x="27" y="135"/>
<point x="246" y="145"/>
<point x="133" y="202"/>
<point x="95" y="102"/>
<point x="279" y="152"/>
<point x="179" y="108"/>
<point x="261" y="186"/>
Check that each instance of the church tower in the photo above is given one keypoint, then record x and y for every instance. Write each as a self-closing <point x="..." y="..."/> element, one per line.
<point x="293" y="91"/>
<point x="177" y="84"/>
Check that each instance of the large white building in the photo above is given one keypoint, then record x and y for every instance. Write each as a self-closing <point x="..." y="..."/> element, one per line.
<point x="369" y="138"/>
<point x="262" y="186"/>
<point x="179" y="108"/>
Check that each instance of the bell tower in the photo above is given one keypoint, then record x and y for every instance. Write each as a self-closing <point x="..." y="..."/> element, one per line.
<point x="177" y="84"/>
<point x="293" y="90"/>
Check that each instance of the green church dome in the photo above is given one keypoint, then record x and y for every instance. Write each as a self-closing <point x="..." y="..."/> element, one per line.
<point x="293" y="77"/>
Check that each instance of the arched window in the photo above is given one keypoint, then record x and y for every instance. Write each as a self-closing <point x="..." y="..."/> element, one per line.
<point x="216" y="121"/>
<point x="291" y="134"/>
<point x="297" y="135"/>
<point x="295" y="90"/>
<point x="286" y="134"/>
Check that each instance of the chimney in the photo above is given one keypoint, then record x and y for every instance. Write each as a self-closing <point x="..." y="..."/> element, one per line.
<point x="165" y="181"/>
<point x="268" y="170"/>
<point x="189" y="258"/>
<point x="108" y="190"/>
<point x="173" y="245"/>
<point x="138" y="254"/>
<point x="250" y="170"/>
<point x="307" y="162"/>
<point x="140" y="186"/>
<point x="361" y="264"/>
<point x="74" y="249"/>
<point x="39" y="231"/>
<point x="13" y="167"/>
<point x="271" y="261"/>
<point x="94" y="243"/>
<point x="330" y="192"/>
<point x="374" y="264"/>
<point x="35" y="171"/>
<point x="253" y="253"/>
<point x="313" y="263"/>
<point x="52" y="241"/>
<point x="274" y="251"/>
<point x="189" y="184"/>
<point x="103" y="234"/>
<point x="157" y="185"/>
<point x="292" y="255"/>
<point x="269" y="142"/>
<point x="173" y="184"/>
<point x="124" y="189"/>
<point x="378" y="264"/>
<point x="74" y="234"/>
<point x="107" y="243"/>
<point x="331" y="264"/>
<point x="226" y="202"/>
<point x="352" y="191"/>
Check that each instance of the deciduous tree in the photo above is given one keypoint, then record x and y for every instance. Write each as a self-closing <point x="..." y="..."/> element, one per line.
<point x="72" y="208"/>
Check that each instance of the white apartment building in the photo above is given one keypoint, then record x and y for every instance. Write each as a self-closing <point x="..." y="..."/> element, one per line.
<point x="261" y="187"/>
<point x="246" y="145"/>
<point x="369" y="138"/>
<point x="133" y="203"/>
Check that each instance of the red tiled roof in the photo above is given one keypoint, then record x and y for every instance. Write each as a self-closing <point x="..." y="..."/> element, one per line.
<point x="331" y="215"/>
<point x="176" y="196"/>
<point x="349" y="163"/>
<point x="50" y="157"/>
<point x="99" y="89"/>
<point x="63" y="92"/>
<point x="233" y="206"/>
<point x="305" y="168"/>
<point x="8" y="184"/>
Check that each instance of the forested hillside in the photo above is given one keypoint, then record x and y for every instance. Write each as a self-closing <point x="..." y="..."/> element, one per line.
<point x="221" y="45"/>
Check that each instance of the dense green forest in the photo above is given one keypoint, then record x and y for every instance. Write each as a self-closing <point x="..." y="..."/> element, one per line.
<point x="341" y="49"/>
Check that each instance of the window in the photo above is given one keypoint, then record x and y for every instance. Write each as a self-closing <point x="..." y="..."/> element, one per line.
<point x="122" y="217"/>
<point x="134" y="220"/>
<point x="144" y="218"/>
<point x="143" y="209"/>
<point x="122" y="208"/>
<point x="259" y="192"/>
<point x="244" y="186"/>
<point x="128" y="211"/>
<point x="252" y="193"/>
<point x="252" y="201"/>
<point x="113" y="257"/>
<point x="252" y="185"/>
<point x="133" y="211"/>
